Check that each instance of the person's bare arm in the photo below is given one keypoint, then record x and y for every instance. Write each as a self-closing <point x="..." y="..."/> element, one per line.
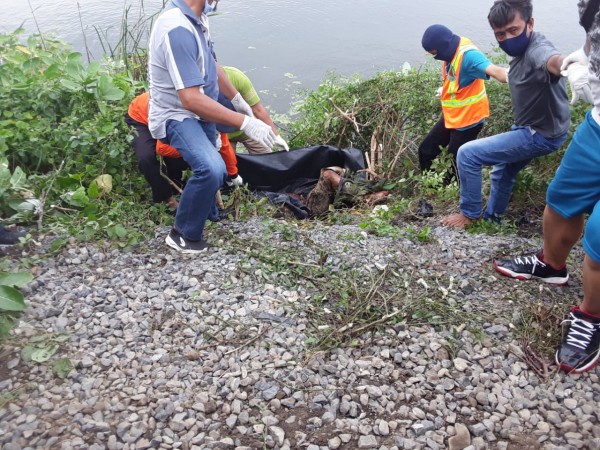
<point x="497" y="72"/>
<point x="553" y="65"/>
<point x="195" y="101"/>
<point x="261" y="113"/>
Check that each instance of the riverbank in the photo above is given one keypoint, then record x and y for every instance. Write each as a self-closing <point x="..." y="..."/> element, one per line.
<point x="238" y="350"/>
<point x="357" y="331"/>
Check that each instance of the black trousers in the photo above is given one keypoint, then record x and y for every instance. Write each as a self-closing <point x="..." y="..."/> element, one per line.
<point x="440" y="136"/>
<point x="144" y="146"/>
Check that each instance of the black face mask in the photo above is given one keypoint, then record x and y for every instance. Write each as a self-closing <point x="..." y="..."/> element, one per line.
<point x="516" y="46"/>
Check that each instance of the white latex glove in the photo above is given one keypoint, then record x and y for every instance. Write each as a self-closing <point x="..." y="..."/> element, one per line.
<point x="259" y="131"/>
<point x="236" y="181"/>
<point x="438" y="93"/>
<point x="281" y="142"/>
<point x="578" y="56"/>
<point x="578" y="76"/>
<point x="241" y="106"/>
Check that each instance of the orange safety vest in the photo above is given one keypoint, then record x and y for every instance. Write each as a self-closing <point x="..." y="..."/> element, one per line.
<point x="465" y="106"/>
<point x="138" y="111"/>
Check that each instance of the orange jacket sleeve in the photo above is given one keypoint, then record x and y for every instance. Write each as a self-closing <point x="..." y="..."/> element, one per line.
<point x="138" y="108"/>
<point x="228" y="154"/>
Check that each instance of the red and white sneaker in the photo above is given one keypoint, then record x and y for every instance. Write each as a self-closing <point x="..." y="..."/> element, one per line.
<point x="580" y="346"/>
<point x="528" y="267"/>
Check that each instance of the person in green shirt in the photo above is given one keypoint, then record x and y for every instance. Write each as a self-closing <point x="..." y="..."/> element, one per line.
<point x="244" y="86"/>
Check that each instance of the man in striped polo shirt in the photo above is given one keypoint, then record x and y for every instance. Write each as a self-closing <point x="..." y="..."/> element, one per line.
<point x="184" y="87"/>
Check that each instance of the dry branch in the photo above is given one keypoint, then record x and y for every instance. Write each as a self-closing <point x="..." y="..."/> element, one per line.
<point x="346" y="116"/>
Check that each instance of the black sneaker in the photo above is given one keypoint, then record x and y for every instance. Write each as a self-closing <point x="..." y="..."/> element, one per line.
<point x="175" y="240"/>
<point x="528" y="267"/>
<point x="580" y="346"/>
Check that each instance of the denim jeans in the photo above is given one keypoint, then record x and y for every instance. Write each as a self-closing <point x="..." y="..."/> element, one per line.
<point x="195" y="141"/>
<point x="508" y="152"/>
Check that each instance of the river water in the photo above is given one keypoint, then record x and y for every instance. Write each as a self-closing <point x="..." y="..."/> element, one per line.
<point x="289" y="45"/>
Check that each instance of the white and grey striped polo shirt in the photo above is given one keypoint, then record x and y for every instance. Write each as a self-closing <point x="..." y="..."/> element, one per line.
<point x="180" y="56"/>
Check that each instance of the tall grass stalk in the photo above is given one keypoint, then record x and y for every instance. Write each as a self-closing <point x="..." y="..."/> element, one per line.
<point x="37" y="25"/>
<point x="133" y="36"/>
<point x="87" y="49"/>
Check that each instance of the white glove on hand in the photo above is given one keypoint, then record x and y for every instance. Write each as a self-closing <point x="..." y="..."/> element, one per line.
<point x="281" y="142"/>
<point x="241" y="106"/>
<point x="259" y="131"/>
<point x="578" y="56"/>
<point x="578" y="76"/>
<point x="438" y="93"/>
<point x="236" y="181"/>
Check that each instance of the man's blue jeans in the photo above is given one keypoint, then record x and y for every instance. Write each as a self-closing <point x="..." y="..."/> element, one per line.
<point x="195" y="141"/>
<point x="508" y="152"/>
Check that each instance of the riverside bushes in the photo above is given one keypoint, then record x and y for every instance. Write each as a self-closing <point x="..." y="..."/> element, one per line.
<point x="61" y="126"/>
<point x="398" y="107"/>
<point x="53" y="107"/>
<point x="396" y="110"/>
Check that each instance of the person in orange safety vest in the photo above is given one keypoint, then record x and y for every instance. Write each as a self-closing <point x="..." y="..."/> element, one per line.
<point x="463" y="96"/>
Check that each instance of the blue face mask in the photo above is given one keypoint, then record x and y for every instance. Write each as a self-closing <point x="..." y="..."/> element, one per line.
<point x="208" y="8"/>
<point x="516" y="46"/>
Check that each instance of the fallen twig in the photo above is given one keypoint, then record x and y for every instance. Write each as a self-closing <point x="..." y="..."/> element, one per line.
<point x="262" y="330"/>
<point x="166" y="177"/>
<point x="535" y="363"/>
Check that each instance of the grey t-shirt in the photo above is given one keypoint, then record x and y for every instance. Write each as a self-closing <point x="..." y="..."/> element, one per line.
<point x="539" y="99"/>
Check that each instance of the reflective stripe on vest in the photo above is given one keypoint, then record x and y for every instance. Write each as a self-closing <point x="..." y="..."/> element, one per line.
<point x="462" y="107"/>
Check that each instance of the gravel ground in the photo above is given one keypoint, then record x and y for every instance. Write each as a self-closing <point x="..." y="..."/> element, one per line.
<point x="214" y="351"/>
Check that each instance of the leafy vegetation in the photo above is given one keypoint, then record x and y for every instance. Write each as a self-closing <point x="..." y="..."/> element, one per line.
<point x="12" y="302"/>
<point x="395" y="110"/>
<point x="61" y="128"/>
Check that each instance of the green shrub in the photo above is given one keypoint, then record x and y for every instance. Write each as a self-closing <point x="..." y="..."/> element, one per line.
<point x="55" y="108"/>
<point x="61" y="126"/>
<point x="398" y="110"/>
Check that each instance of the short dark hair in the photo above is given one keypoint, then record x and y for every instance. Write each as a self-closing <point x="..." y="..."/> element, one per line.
<point x="503" y="12"/>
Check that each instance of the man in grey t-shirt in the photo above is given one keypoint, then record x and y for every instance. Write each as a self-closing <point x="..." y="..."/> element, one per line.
<point x="540" y="113"/>
<point x="573" y="193"/>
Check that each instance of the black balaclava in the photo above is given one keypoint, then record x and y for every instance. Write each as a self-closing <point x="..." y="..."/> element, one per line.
<point x="440" y="38"/>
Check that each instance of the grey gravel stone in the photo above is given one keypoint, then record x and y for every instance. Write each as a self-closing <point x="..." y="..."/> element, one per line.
<point x="183" y="352"/>
<point x="367" y="442"/>
<point x="462" y="438"/>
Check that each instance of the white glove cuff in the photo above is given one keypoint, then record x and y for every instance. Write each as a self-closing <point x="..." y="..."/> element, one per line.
<point x="245" y="122"/>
